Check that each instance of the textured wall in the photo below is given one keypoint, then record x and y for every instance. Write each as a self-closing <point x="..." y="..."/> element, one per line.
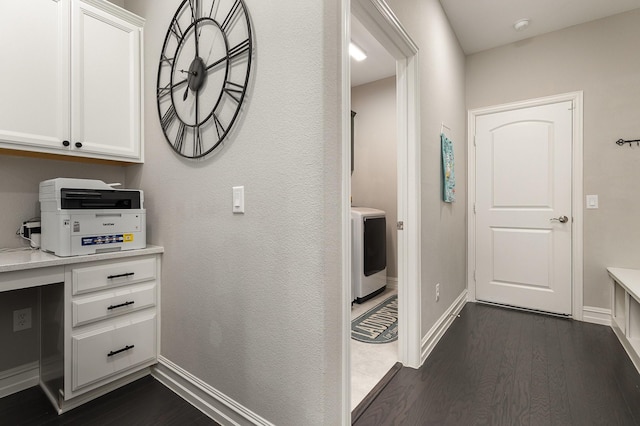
<point x="374" y="180"/>
<point x="251" y="303"/>
<point x="601" y="59"/>
<point x="441" y="100"/>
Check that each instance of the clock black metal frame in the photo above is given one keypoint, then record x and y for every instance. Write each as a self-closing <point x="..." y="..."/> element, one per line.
<point x="199" y="99"/>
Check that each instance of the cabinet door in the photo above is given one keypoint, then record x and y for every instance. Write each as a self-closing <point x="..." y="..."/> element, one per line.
<point x="34" y="88"/>
<point x="106" y="89"/>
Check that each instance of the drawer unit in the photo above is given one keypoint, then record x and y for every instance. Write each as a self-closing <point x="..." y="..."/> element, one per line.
<point x="119" y="301"/>
<point x="111" y="324"/>
<point x="112" y="274"/>
<point x="99" y="319"/>
<point x="119" y="345"/>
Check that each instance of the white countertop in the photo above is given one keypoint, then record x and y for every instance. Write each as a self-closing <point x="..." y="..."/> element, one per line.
<point x="628" y="278"/>
<point x="31" y="259"/>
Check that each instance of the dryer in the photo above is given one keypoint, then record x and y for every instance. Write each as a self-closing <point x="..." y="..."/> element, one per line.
<point x="368" y="253"/>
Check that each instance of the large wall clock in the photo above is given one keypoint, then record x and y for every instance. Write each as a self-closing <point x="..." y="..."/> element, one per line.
<point x="203" y="74"/>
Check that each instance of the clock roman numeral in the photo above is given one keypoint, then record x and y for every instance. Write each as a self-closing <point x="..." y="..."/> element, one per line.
<point x="234" y="90"/>
<point x="239" y="49"/>
<point x="168" y="117"/>
<point x="197" y="142"/>
<point x="233" y="13"/>
<point x="195" y="9"/>
<point x="176" y="30"/>
<point x="179" y="142"/>
<point x="220" y="129"/>
<point x="164" y="91"/>
<point x="167" y="60"/>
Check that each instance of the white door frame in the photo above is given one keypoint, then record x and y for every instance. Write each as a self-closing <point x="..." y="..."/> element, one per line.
<point x="381" y="22"/>
<point x="576" y="192"/>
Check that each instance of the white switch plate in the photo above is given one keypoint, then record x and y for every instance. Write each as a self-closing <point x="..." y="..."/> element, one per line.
<point x="238" y="199"/>
<point x="592" y="201"/>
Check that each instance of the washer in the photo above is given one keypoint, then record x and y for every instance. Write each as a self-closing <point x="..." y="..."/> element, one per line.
<point x="368" y="253"/>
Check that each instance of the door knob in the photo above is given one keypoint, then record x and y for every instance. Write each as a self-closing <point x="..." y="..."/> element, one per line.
<point x="561" y="219"/>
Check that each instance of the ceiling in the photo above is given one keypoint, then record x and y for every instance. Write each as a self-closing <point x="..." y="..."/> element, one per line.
<point x="379" y="63"/>
<point x="484" y="24"/>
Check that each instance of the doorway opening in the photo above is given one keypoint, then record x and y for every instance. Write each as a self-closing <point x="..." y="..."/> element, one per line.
<point x="373" y="201"/>
<point x="381" y="23"/>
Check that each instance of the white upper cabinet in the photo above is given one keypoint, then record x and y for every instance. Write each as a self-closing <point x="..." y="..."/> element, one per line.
<point x="105" y="80"/>
<point x="76" y="84"/>
<point x="34" y="88"/>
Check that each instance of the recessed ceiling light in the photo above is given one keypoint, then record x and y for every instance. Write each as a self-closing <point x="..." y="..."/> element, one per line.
<point x="356" y="53"/>
<point x="521" y="24"/>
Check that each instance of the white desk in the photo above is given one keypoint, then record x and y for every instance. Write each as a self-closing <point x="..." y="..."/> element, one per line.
<point x="99" y="318"/>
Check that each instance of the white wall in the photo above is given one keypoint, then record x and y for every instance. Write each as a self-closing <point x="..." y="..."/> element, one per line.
<point x="374" y="180"/>
<point x="251" y="303"/>
<point x="601" y="58"/>
<point x="441" y="100"/>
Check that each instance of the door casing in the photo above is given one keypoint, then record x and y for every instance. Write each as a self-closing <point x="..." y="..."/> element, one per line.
<point x="381" y="22"/>
<point x="576" y="191"/>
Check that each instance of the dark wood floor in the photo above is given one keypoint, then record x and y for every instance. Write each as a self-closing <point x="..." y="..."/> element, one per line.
<point x="502" y="367"/>
<point x="143" y="402"/>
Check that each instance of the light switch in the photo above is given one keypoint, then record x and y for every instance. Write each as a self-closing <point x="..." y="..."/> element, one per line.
<point x="238" y="199"/>
<point x="592" y="201"/>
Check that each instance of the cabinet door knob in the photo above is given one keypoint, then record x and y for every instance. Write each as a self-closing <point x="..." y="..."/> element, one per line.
<point x="78" y="144"/>
<point x="66" y="143"/>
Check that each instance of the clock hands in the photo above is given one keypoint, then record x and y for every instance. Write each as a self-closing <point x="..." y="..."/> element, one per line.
<point x="196" y="78"/>
<point x="186" y="92"/>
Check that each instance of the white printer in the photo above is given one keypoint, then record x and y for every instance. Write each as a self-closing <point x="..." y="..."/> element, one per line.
<point x="85" y="216"/>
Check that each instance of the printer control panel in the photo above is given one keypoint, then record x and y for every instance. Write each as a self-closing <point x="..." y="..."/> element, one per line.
<point x="107" y="239"/>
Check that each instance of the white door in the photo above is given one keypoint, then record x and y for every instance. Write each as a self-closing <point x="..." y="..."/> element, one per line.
<point x="523" y="207"/>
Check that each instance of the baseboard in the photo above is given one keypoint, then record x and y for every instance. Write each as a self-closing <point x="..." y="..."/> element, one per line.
<point x="392" y="282"/>
<point x="633" y="355"/>
<point x="19" y="378"/>
<point x="204" y="397"/>
<point x="430" y="340"/>
<point x="596" y="315"/>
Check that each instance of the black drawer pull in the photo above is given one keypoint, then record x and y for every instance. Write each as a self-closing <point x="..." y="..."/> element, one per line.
<point x="121" y="305"/>
<point x="128" y="274"/>
<point x="126" y="348"/>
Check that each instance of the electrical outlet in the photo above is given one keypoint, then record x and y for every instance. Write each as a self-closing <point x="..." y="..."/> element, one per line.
<point x="22" y="319"/>
<point x="437" y="292"/>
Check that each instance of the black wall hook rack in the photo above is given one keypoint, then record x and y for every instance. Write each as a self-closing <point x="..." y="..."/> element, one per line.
<point x="622" y="142"/>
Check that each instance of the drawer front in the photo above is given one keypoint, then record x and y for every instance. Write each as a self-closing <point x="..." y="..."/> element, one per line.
<point x="102" y="352"/>
<point x="122" y="300"/>
<point x="114" y="274"/>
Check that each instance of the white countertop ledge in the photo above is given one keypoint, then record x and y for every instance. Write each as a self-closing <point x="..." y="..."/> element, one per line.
<point x="32" y="259"/>
<point x="627" y="278"/>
